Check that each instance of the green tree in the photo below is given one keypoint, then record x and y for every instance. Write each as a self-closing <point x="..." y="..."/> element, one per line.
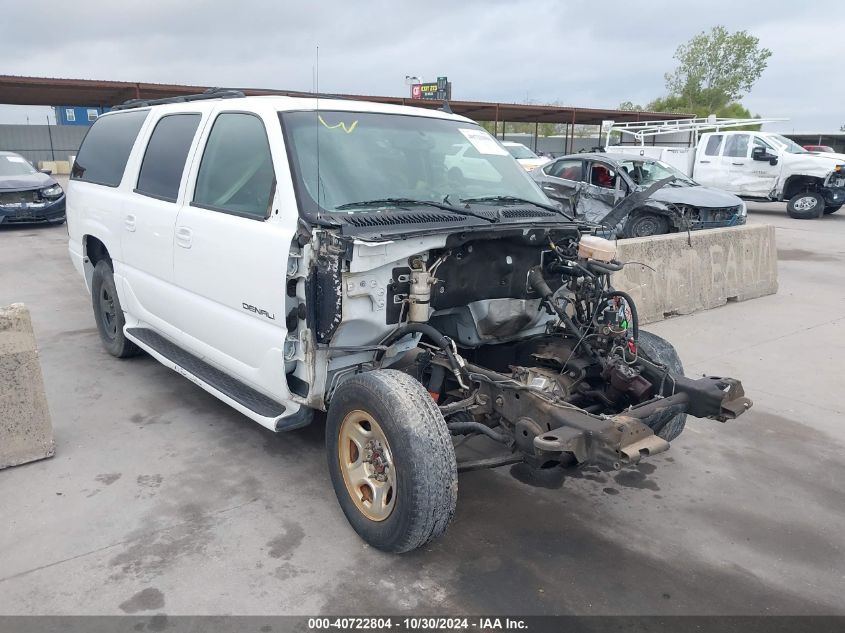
<point x="716" y="68"/>
<point x="629" y="106"/>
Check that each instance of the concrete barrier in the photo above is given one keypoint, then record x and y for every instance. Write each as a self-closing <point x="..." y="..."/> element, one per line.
<point x="720" y="265"/>
<point x="26" y="433"/>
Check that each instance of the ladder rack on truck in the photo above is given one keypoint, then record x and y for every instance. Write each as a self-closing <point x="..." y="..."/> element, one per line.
<point x="641" y="130"/>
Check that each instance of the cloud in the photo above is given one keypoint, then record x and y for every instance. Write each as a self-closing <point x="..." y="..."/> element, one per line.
<point x="586" y="53"/>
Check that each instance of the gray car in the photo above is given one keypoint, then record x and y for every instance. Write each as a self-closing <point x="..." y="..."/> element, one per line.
<point x="28" y="196"/>
<point x="592" y="184"/>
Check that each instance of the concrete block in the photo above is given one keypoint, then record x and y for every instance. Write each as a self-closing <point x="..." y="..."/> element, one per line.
<point x="62" y="167"/>
<point x="703" y="270"/>
<point x="26" y="433"/>
<point x="47" y="164"/>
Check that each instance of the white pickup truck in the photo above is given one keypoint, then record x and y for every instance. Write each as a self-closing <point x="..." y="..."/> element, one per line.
<point x="753" y="165"/>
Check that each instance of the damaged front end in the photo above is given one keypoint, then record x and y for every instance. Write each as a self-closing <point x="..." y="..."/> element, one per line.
<point x="518" y="335"/>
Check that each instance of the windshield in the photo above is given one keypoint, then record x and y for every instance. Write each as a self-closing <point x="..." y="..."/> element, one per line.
<point x="788" y="144"/>
<point x="520" y="151"/>
<point x="370" y="156"/>
<point x="11" y="165"/>
<point x="647" y="172"/>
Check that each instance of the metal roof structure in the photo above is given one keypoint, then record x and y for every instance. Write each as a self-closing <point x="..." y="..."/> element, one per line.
<point x="47" y="91"/>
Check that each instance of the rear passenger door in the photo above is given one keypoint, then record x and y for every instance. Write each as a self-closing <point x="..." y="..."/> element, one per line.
<point x="148" y="221"/>
<point x="561" y="179"/>
<point x="708" y="162"/>
<point x="231" y="250"/>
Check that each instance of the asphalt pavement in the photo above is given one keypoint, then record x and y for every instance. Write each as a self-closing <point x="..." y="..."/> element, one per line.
<point x="161" y="499"/>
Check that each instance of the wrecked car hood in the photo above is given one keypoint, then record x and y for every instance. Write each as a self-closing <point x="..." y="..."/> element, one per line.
<point x="25" y="182"/>
<point x="698" y="196"/>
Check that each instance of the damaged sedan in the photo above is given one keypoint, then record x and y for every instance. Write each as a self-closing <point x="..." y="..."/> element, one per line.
<point x="337" y="256"/>
<point x="594" y="183"/>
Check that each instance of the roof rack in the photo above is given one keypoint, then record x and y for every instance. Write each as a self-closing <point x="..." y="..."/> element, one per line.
<point x="643" y="129"/>
<point x="211" y="93"/>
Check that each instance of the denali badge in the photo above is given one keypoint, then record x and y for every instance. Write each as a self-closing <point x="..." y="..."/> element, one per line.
<point x="246" y="306"/>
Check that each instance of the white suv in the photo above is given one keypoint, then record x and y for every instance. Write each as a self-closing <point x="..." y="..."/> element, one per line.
<point x="293" y="255"/>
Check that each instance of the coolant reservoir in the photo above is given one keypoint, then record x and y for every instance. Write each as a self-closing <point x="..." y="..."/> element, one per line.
<point x="597" y="248"/>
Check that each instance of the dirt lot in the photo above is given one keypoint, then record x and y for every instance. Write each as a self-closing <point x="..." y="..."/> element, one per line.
<point x="161" y="499"/>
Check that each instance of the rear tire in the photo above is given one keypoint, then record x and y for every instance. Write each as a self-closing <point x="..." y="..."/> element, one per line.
<point x="108" y="313"/>
<point x="645" y="225"/>
<point x="807" y="205"/>
<point x="391" y="460"/>
<point x="829" y="210"/>
<point x="659" y="350"/>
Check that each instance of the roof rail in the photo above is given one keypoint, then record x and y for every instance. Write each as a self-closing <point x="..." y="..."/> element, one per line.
<point x="211" y="93"/>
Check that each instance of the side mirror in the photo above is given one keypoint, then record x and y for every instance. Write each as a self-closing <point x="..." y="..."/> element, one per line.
<point x="760" y="153"/>
<point x="49" y="172"/>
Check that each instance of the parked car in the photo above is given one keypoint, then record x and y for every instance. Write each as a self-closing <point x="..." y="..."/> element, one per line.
<point x="593" y="184"/>
<point x="524" y="156"/>
<point x="827" y="149"/>
<point x="751" y="164"/>
<point x="27" y="195"/>
<point x="410" y="303"/>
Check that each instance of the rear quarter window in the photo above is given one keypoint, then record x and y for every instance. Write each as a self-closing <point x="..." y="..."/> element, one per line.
<point x="106" y="148"/>
<point x="167" y="151"/>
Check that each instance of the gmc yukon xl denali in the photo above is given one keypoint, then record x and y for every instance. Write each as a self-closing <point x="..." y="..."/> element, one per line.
<point x="301" y="255"/>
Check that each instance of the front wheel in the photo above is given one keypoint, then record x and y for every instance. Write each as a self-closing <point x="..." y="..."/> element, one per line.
<point x="391" y="460"/>
<point x="829" y="210"/>
<point x="644" y="225"/>
<point x="658" y="350"/>
<point x="807" y="205"/>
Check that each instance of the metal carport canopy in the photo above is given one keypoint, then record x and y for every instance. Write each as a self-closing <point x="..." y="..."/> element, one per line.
<point x="91" y="92"/>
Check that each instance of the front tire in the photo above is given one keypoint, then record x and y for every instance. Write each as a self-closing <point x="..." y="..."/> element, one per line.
<point x="645" y="225"/>
<point x="807" y="205"/>
<point x="109" y="314"/>
<point x="829" y="210"/>
<point x="391" y="460"/>
<point x="659" y="350"/>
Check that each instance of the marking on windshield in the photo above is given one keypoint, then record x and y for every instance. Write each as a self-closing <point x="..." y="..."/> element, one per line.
<point x="342" y="125"/>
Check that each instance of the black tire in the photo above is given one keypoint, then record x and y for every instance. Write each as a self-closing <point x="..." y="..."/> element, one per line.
<point x="108" y="314"/>
<point x="659" y="350"/>
<point x="807" y="205"/>
<point x="828" y="210"/>
<point x="644" y="224"/>
<point x="426" y="475"/>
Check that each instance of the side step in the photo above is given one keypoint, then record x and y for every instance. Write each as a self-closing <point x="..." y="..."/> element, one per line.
<point x="230" y="387"/>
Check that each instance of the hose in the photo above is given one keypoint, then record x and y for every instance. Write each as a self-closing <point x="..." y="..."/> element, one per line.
<point x="635" y="321"/>
<point x="441" y="341"/>
<point x="462" y="428"/>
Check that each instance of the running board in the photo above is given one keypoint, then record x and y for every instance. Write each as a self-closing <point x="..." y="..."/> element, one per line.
<point x="230" y="387"/>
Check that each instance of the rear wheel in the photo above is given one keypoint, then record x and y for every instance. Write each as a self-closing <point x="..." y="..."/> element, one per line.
<point x="108" y="314"/>
<point x="806" y="205"/>
<point x="829" y="210"/>
<point x="659" y="350"/>
<point x="391" y="460"/>
<point x="645" y="224"/>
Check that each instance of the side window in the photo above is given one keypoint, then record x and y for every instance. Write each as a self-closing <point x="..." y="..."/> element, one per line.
<point x="106" y="148"/>
<point x="736" y="145"/>
<point x="236" y="172"/>
<point x="602" y="175"/>
<point x="713" y="145"/>
<point x="167" y="151"/>
<point x="758" y="142"/>
<point x="567" y="169"/>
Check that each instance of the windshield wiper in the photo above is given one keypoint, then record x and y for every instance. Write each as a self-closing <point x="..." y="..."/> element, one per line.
<point x="405" y="202"/>
<point x="516" y="200"/>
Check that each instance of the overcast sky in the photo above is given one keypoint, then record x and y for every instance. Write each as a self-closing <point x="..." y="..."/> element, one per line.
<point x="585" y="53"/>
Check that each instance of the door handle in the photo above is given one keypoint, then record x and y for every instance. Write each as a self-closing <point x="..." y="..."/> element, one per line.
<point x="183" y="236"/>
<point x="738" y="164"/>
<point x="129" y="223"/>
<point x="704" y="161"/>
<point x="549" y="188"/>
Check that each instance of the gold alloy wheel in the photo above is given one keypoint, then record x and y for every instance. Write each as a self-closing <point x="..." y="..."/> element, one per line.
<point x="367" y="465"/>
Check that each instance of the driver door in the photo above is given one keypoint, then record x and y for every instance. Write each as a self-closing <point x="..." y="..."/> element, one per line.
<point x="603" y="190"/>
